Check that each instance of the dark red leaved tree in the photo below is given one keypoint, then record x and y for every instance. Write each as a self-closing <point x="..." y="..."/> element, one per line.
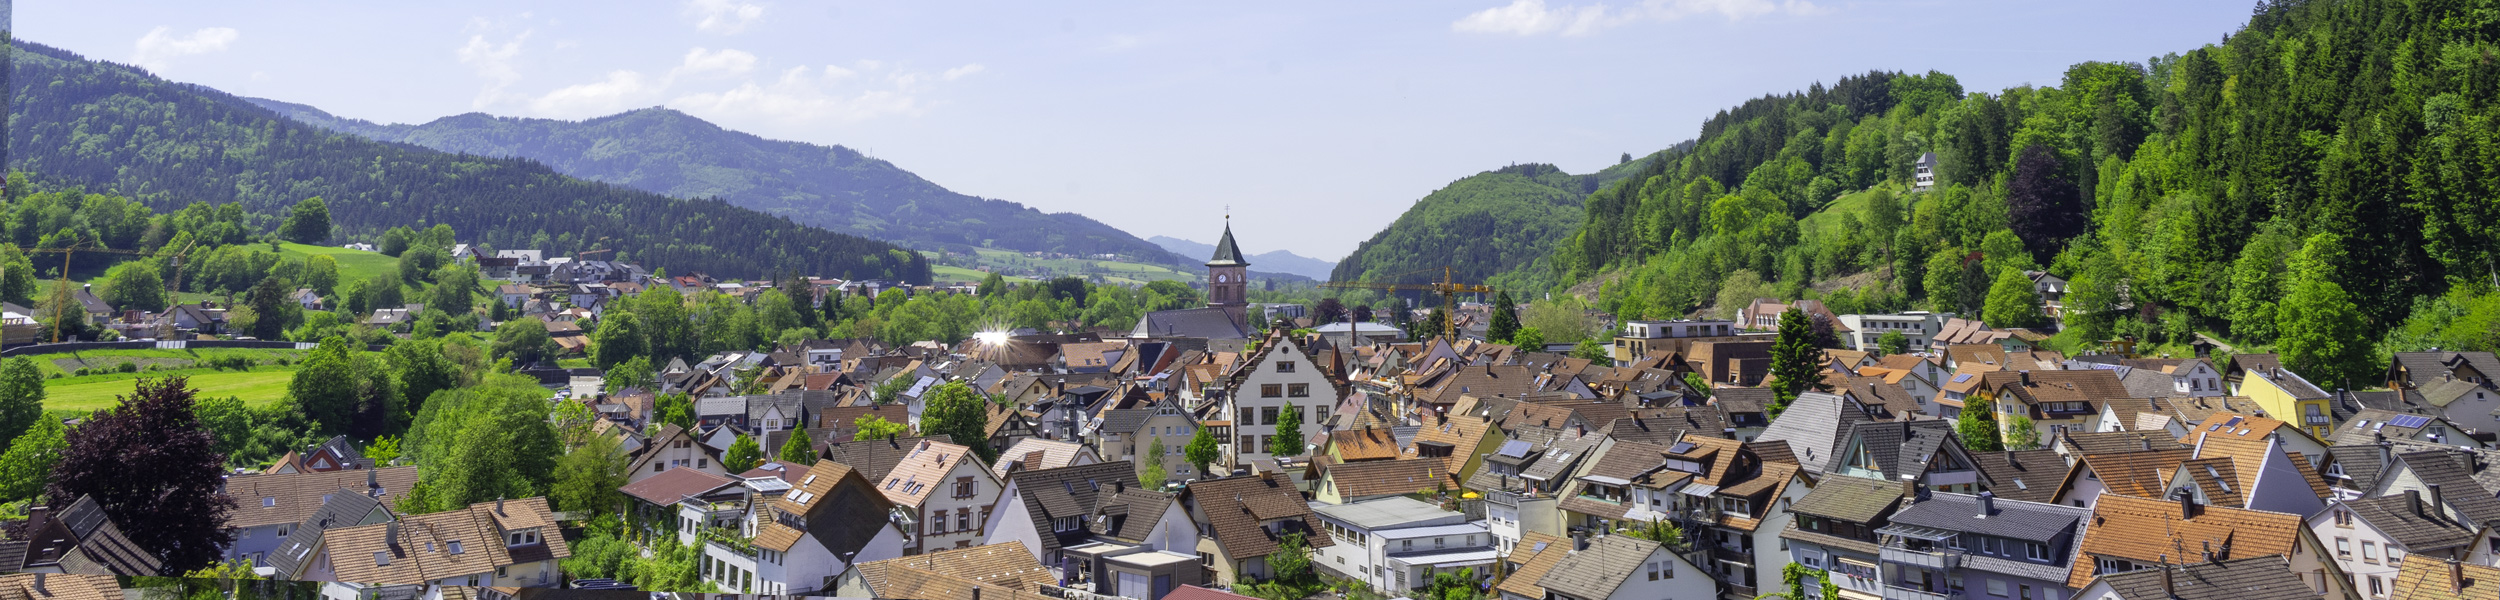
<point x="2042" y="204"/>
<point x="153" y="467"/>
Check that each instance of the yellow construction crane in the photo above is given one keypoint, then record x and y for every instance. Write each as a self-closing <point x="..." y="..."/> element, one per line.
<point x="1448" y="287"/>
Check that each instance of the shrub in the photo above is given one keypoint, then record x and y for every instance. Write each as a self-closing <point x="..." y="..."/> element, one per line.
<point x="130" y="367"/>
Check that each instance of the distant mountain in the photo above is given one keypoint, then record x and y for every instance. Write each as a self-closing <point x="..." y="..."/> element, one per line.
<point x="1278" y="261"/>
<point x="669" y="152"/>
<point x="113" y="127"/>
<point x="1493" y="227"/>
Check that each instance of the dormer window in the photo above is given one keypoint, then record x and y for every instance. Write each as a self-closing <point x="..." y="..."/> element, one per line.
<point x="522" y="538"/>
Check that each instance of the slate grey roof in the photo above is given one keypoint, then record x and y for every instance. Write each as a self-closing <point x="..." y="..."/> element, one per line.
<point x="2362" y="464"/>
<point x="2424" y="367"/>
<point x="1812" y="426"/>
<point x="1068" y="492"/>
<point x="2242" y="579"/>
<point x="1599" y="570"/>
<point x="2114" y="442"/>
<point x="1227" y="254"/>
<point x="731" y="405"/>
<point x="1126" y="420"/>
<point x="2027" y="475"/>
<point x="2349" y="403"/>
<point x="343" y="508"/>
<point x="2454" y="472"/>
<point x="1853" y="499"/>
<point x="1209" y="323"/>
<point x="2410" y="519"/>
<point x="1736" y="400"/>
<point x="2030" y="521"/>
<point x="2371" y="425"/>
<point x="1561" y="456"/>
<point x="1895" y="444"/>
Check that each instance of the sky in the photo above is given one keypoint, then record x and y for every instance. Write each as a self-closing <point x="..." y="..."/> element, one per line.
<point x="1313" y="124"/>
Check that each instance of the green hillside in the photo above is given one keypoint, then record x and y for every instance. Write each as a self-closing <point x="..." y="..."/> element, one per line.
<point x="835" y="187"/>
<point x="2321" y="184"/>
<point x="1489" y="224"/>
<point x="168" y="145"/>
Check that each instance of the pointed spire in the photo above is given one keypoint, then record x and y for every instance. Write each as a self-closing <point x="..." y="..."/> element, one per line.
<point x="1226" y="253"/>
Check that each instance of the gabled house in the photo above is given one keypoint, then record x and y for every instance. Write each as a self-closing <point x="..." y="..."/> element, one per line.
<point x="2285" y="394"/>
<point x="270" y="507"/>
<point x="1066" y="517"/>
<point x="505" y="543"/>
<point x="1926" y="451"/>
<point x="2374" y="537"/>
<point x="673" y="448"/>
<point x="1034" y="454"/>
<point x="1356" y="482"/>
<point x="293" y="556"/>
<point x="1835" y="531"/>
<point x="79" y="539"/>
<point x="1945" y="544"/>
<point x="2370" y="426"/>
<point x="2138" y="473"/>
<point x="681" y="503"/>
<point x="1244" y="520"/>
<point x="1621" y="567"/>
<point x="1156" y="433"/>
<point x="830" y="519"/>
<point x="2412" y="370"/>
<point x="938" y="487"/>
<point x="2121" y="537"/>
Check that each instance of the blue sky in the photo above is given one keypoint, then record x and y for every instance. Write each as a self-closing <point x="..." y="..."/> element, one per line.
<point x="1316" y="123"/>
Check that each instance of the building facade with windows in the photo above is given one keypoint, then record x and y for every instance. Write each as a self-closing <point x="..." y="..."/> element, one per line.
<point x="1398" y="544"/>
<point x="1281" y="373"/>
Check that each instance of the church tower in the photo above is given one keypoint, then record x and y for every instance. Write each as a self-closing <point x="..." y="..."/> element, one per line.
<point x="1228" y="279"/>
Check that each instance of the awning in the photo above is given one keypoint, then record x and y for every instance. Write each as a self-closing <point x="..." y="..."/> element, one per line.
<point x="1917" y="532"/>
<point x="1605" y="480"/>
<point x="1700" y="489"/>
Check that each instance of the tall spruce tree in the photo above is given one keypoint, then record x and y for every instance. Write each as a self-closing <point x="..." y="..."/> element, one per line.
<point x="1796" y="364"/>
<point x="1505" y="319"/>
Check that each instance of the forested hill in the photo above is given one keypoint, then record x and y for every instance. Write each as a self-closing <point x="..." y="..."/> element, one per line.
<point x="669" y="152"/>
<point x="1483" y="225"/>
<point x="2320" y="184"/>
<point x="110" y="126"/>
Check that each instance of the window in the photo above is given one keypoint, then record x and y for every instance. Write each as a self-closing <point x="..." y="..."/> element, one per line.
<point x="1991" y="546"/>
<point x="937" y="521"/>
<point x="1653" y="571"/>
<point x="1245" y="444"/>
<point x="963" y="487"/>
<point x="1206" y="560"/>
<point x="1298" y="390"/>
<point x="1996" y="587"/>
<point x="1267" y="415"/>
<point x="1323" y="412"/>
<point x="268" y="501"/>
<point x="1245" y="417"/>
<point x="1267" y="444"/>
<point x="1440" y="542"/>
<point x="702" y="463"/>
<point x="1404" y="545"/>
<point x="2369" y="551"/>
<point x="455" y="547"/>
<point x="2035" y="550"/>
<point x="2377" y="590"/>
<point x="1271" y="390"/>
<point x="963" y="519"/>
<point x="2343" y="518"/>
<point x="1284" y="366"/>
<point x="2343" y="548"/>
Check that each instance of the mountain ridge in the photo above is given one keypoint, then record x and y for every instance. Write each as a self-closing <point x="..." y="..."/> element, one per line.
<point x="1273" y="261"/>
<point x="666" y="151"/>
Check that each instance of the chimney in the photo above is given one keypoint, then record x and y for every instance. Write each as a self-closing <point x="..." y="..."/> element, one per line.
<point x="2413" y="500"/>
<point x="1987" y="504"/>
<point x="2169" y="589"/>
<point x="390" y="534"/>
<point x="2187" y="505"/>
<point x="2209" y="551"/>
<point x="2439" y="503"/>
<point x="39" y="589"/>
<point x="499" y="507"/>
<point x="373" y="483"/>
<point x="2456" y="577"/>
<point x="976" y="592"/>
<point x="1119" y="487"/>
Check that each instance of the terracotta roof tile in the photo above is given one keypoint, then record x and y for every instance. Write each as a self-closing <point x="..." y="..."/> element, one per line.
<point x="2144" y="530"/>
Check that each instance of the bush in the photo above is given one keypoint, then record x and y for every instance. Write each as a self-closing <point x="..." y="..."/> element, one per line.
<point x="130" y="367"/>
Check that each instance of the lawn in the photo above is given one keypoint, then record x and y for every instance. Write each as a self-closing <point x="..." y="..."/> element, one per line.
<point x="1017" y="264"/>
<point x="64" y="363"/>
<point x="354" y="265"/>
<point x="256" y="387"/>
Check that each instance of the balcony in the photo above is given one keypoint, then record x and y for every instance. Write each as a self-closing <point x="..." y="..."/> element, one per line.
<point x="1933" y="560"/>
<point x="2315" y="420"/>
<point x="1894" y="592"/>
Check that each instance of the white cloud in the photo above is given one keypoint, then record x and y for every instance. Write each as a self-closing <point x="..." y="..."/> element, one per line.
<point x="161" y="45"/>
<point x="727" y="60"/>
<point x="962" y="71"/>
<point x="620" y="91"/>
<point x="494" y="63"/>
<point x="723" y="16"/>
<point x="1534" y="17"/>
<point x="834" y="73"/>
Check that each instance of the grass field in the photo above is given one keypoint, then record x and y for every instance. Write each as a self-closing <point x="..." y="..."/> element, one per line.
<point x="256" y="387"/>
<point x="265" y="382"/>
<point x="354" y="265"/>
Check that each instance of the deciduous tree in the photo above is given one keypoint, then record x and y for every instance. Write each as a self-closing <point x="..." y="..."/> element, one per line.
<point x="1201" y="451"/>
<point x="743" y="454"/>
<point x="21" y="397"/>
<point x="154" y="469"/>
<point x="1289" y="439"/>
<point x="955" y="411"/>
<point x="799" y="448"/>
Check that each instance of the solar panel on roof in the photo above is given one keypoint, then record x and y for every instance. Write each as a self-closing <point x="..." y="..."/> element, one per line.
<point x="1681" y="447"/>
<point x="1516" y="448"/>
<point x="2234" y="422"/>
<point x="2409" y="421"/>
<point x="1961" y="377"/>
